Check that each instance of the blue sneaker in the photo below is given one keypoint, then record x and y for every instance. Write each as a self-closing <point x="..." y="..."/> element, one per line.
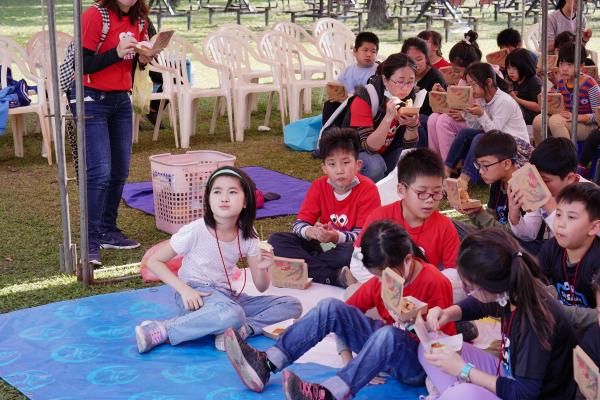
<point x="94" y="252"/>
<point x="117" y="240"/>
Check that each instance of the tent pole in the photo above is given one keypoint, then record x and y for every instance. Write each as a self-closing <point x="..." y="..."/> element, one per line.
<point x="87" y="271"/>
<point x="544" y="55"/>
<point x="523" y="19"/>
<point x="578" y="60"/>
<point x="67" y="250"/>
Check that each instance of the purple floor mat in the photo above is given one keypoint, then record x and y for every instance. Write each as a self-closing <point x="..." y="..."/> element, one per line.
<point x="292" y="190"/>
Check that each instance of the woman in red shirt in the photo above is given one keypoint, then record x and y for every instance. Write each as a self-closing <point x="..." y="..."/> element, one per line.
<point x="381" y="345"/>
<point x="107" y="67"/>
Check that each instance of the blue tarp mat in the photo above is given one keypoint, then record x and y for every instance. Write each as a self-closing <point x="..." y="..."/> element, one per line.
<point x="85" y="349"/>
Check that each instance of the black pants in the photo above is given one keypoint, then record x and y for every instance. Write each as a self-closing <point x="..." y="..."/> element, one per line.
<point x="323" y="266"/>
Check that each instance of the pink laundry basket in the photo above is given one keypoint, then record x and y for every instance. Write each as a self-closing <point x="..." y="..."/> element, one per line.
<point x="178" y="184"/>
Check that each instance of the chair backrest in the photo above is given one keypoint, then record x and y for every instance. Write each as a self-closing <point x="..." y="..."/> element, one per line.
<point x="38" y="50"/>
<point x="325" y="24"/>
<point x="241" y="32"/>
<point x="294" y="30"/>
<point x="12" y="55"/>
<point x="533" y="37"/>
<point x="287" y="51"/>
<point x="337" y="45"/>
<point x="228" y="49"/>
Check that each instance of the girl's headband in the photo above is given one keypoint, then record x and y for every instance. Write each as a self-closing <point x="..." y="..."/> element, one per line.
<point x="223" y="172"/>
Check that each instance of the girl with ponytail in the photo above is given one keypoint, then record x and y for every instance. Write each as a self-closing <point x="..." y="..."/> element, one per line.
<point x="535" y="358"/>
<point x="380" y="345"/>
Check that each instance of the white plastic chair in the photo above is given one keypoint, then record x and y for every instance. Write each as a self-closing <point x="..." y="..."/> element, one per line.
<point x="175" y="55"/>
<point x="290" y="53"/>
<point x="38" y="58"/>
<point x="327" y="24"/>
<point x="15" y="57"/>
<point x="533" y="37"/>
<point x="337" y="46"/>
<point x="239" y="57"/>
<point x="168" y="93"/>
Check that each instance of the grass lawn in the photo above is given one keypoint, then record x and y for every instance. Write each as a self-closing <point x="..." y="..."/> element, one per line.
<point x="29" y="197"/>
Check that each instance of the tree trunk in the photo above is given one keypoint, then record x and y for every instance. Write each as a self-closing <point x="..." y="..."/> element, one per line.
<point x="377" y="14"/>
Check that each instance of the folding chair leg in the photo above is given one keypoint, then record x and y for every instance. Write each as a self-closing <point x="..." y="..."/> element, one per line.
<point x="17" y="135"/>
<point x="213" y="119"/>
<point x="194" y="109"/>
<point x="248" y="119"/>
<point x="185" y="122"/>
<point x="221" y="108"/>
<point x="136" y="127"/>
<point x="46" y="137"/>
<point x="281" y="96"/>
<point x="269" y="108"/>
<point x="159" y="117"/>
<point x="229" y="116"/>
<point x="173" y="118"/>
<point x="239" y="116"/>
<point x="307" y="100"/>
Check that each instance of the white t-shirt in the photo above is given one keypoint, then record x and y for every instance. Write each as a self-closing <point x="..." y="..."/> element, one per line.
<point x="201" y="260"/>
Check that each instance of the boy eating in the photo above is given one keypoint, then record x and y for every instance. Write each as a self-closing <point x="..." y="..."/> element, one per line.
<point x="333" y="212"/>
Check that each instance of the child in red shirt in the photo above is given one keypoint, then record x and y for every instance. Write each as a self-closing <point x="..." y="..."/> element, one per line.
<point x="333" y="212"/>
<point x="380" y="345"/>
<point x="420" y="177"/>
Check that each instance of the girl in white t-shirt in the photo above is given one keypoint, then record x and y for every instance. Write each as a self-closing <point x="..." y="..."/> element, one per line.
<point x="211" y="247"/>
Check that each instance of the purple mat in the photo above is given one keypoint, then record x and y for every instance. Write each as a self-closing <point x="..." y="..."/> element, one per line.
<point x="292" y="190"/>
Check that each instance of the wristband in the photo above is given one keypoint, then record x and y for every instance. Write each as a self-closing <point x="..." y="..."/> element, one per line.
<point x="463" y="375"/>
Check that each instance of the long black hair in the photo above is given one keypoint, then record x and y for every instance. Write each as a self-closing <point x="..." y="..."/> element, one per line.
<point x="480" y="72"/>
<point x="522" y="60"/>
<point x="493" y="260"/>
<point x="386" y="244"/>
<point x="248" y="215"/>
<point x="419" y="44"/>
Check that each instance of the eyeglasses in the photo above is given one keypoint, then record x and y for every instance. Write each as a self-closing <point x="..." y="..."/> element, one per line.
<point x="409" y="83"/>
<point x="485" y="167"/>
<point x="426" y="195"/>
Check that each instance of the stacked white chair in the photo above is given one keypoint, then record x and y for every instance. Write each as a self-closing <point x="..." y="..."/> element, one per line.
<point x="239" y="57"/>
<point x="14" y="57"/>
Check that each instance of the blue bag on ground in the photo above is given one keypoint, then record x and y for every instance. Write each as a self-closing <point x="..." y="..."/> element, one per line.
<point x="302" y="135"/>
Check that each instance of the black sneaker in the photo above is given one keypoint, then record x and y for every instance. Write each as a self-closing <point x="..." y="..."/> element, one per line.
<point x="249" y="363"/>
<point x="94" y="252"/>
<point x="295" y="388"/>
<point x="117" y="240"/>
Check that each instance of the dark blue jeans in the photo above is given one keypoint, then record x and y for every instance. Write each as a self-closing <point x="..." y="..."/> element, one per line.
<point x="376" y="166"/>
<point x="463" y="148"/>
<point x="108" y="140"/>
<point x="423" y="135"/>
<point x="378" y="347"/>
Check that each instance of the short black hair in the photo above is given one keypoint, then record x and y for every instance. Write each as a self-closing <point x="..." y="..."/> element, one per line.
<point x="345" y="139"/>
<point x="563" y="38"/>
<point x="566" y="53"/>
<point x="555" y="156"/>
<point x="497" y="143"/>
<point x="418" y="44"/>
<point x="420" y="162"/>
<point x="366" y="37"/>
<point x="522" y="60"/>
<point x="587" y="193"/>
<point x="509" y="37"/>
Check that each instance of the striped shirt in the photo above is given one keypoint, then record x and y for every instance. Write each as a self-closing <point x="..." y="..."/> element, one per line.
<point x="589" y="95"/>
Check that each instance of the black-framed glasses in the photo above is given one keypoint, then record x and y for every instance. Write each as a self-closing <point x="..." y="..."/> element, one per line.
<point x="426" y="195"/>
<point x="484" y="167"/>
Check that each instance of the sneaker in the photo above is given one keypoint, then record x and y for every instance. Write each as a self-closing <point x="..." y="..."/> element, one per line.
<point x="117" y="240"/>
<point x="345" y="277"/>
<point x="94" y="252"/>
<point x="150" y="334"/>
<point x="295" y="388"/>
<point x="220" y="339"/>
<point x="249" y="363"/>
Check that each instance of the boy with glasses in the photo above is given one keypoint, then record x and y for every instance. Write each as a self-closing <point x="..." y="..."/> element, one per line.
<point x="420" y="185"/>
<point x="496" y="154"/>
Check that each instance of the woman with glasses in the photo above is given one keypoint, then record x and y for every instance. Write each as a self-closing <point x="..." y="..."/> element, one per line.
<point x="384" y="136"/>
<point x="493" y="109"/>
<point x="536" y="351"/>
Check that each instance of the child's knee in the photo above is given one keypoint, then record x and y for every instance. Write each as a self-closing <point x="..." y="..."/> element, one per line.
<point x="293" y="305"/>
<point x="231" y="315"/>
<point x="329" y="306"/>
